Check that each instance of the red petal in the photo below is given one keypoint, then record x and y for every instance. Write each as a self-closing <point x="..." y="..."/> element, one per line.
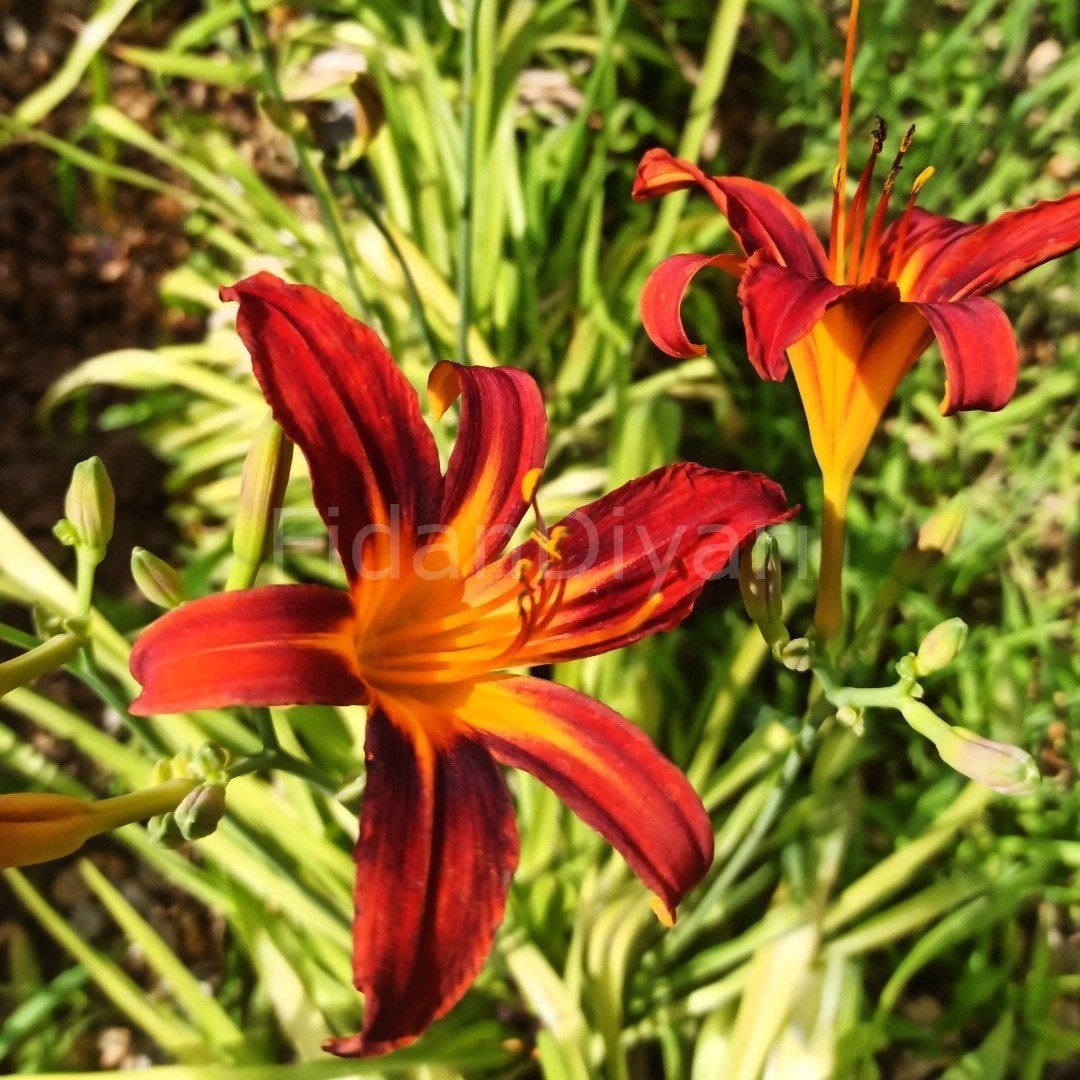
<point x="927" y="235"/>
<point x="279" y="645"/>
<point x="979" y="350"/>
<point x="437" y="848"/>
<point x="501" y="437"/>
<point x="633" y="562"/>
<point x="606" y="770"/>
<point x="662" y="297"/>
<point x="760" y="217"/>
<point x="979" y="259"/>
<point x="337" y="393"/>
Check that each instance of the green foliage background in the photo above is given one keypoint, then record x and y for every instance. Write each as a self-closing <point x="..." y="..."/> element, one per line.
<point x="868" y="914"/>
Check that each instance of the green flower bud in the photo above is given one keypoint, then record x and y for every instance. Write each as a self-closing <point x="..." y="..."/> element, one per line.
<point x="1008" y="770"/>
<point x="941" y="646"/>
<point x="201" y="812"/>
<point x="90" y="506"/>
<point x="852" y="719"/>
<point x="210" y="761"/>
<point x="156" y="579"/>
<point x="163" y="830"/>
<point x="795" y="655"/>
<point x="262" y="489"/>
<point x="935" y="540"/>
<point x="759" y="581"/>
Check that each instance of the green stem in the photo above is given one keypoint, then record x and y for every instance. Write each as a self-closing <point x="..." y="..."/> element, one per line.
<point x="367" y="204"/>
<point x="468" y="124"/>
<point x="264" y="725"/>
<point x="86" y="563"/>
<point x="686" y="928"/>
<point x="283" y="761"/>
<point x="85" y="668"/>
<point x="39" y="660"/>
<point x="313" y="177"/>
<point x="141" y="805"/>
<point x="829" y="613"/>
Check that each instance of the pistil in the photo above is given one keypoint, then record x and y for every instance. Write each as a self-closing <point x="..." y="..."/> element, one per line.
<point x="838" y="230"/>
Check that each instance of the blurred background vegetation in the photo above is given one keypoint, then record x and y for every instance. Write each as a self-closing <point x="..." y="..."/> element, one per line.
<point x="459" y="174"/>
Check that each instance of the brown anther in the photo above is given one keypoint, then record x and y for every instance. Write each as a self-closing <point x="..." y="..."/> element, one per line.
<point x="881" y="130"/>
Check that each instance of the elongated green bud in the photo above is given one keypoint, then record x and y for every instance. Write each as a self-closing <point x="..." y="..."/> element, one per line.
<point x="90" y="506"/>
<point x="941" y="646"/>
<point x="156" y="579"/>
<point x="262" y="489"/>
<point x="760" y="584"/>
<point x="1006" y="769"/>
<point x="210" y="762"/>
<point x="935" y="540"/>
<point x="201" y="812"/>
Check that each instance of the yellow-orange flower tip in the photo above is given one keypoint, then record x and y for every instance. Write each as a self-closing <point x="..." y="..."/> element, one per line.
<point x="443" y="388"/>
<point x="530" y="483"/>
<point x="665" y="914"/>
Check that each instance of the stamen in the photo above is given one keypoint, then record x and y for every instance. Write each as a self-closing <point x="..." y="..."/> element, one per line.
<point x="905" y="222"/>
<point x="872" y="250"/>
<point x="862" y="193"/>
<point x="838" y="231"/>
<point x="634" y="621"/>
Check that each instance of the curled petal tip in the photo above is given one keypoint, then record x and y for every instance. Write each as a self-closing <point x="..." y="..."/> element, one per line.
<point x="444" y="388"/>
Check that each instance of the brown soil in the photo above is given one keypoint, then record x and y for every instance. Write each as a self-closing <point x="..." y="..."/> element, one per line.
<point x="78" y="277"/>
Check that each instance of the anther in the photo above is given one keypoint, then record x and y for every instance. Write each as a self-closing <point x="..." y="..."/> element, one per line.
<point x="530" y="482"/>
<point x="921" y="179"/>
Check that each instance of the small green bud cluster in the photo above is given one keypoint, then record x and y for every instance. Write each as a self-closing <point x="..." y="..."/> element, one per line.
<point x="203" y="808"/>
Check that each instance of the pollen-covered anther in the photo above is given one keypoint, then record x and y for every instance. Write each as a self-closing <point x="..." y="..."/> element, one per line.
<point x="921" y="180"/>
<point x="530" y="483"/>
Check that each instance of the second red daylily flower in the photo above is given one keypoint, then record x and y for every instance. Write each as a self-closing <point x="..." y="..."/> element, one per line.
<point x="852" y="322"/>
<point x="433" y="617"/>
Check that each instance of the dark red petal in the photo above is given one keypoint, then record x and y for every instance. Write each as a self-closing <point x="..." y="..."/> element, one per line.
<point x="662" y="297"/>
<point x="927" y="235"/>
<point x="339" y="396"/>
<point x="761" y="218"/>
<point x="437" y="848"/>
<point x="780" y="307"/>
<point x="985" y="257"/>
<point x="979" y="350"/>
<point x="633" y="562"/>
<point x="606" y="770"/>
<point x="502" y="436"/>
<point x="278" y="645"/>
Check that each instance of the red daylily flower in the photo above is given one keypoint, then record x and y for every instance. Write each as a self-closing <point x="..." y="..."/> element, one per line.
<point x="433" y="616"/>
<point x="852" y="322"/>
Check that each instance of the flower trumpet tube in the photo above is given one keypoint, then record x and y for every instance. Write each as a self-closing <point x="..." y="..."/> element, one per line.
<point x="36" y="827"/>
<point x="852" y="320"/>
<point x="435" y="614"/>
